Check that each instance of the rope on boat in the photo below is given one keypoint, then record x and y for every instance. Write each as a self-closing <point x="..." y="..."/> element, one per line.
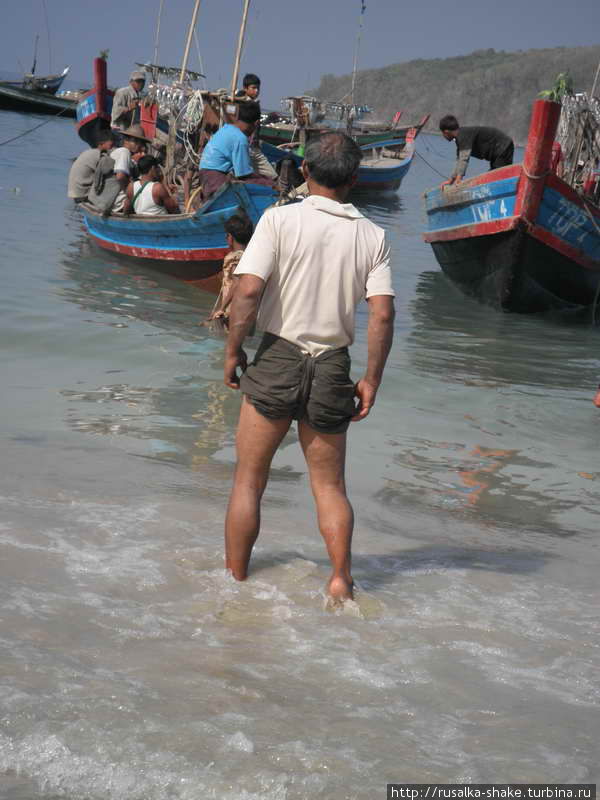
<point x="430" y="165"/>
<point x="536" y="177"/>
<point x="45" y="122"/>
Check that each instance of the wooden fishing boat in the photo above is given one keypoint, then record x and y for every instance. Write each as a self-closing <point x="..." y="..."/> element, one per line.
<point x="521" y="238"/>
<point x="45" y="84"/>
<point x="15" y="99"/>
<point x="190" y="246"/>
<point x="278" y="133"/>
<point x="95" y="106"/>
<point x="382" y="167"/>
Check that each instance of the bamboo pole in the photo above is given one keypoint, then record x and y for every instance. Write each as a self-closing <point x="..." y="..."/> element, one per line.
<point x="189" y="41"/>
<point x="238" y="55"/>
<point x="160" y="10"/>
<point x="595" y="81"/>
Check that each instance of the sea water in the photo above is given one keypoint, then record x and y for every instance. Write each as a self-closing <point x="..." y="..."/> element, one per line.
<point x="133" y="668"/>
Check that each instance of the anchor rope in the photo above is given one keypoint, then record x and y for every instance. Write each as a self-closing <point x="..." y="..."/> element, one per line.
<point x="45" y="122"/>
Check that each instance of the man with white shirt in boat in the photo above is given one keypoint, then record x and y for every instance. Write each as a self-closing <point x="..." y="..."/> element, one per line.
<point x="489" y="144"/>
<point x="125" y="102"/>
<point x="149" y="197"/>
<point x="308" y="265"/>
<point x="134" y="143"/>
<point x="81" y="174"/>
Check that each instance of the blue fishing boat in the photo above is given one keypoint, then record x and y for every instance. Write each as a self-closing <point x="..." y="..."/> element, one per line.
<point x="190" y="246"/>
<point x="520" y="237"/>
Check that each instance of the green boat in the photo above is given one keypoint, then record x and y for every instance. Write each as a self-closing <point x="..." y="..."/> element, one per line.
<point x="314" y="117"/>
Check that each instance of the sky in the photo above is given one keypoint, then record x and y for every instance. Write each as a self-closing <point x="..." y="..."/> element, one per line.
<point x="289" y="43"/>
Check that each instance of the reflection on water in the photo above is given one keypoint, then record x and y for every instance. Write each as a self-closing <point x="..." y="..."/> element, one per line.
<point x="134" y="668"/>
<point x="462" y="340"/>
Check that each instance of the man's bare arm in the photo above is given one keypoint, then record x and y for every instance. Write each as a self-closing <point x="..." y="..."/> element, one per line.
<point x="242" y="317"/>
<point x="380" y="333"/>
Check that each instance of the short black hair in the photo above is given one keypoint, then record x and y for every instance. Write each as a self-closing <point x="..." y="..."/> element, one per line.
<point x="332" y="159"/>
<point x="250" y="79"/>
<point x="239" y="226"/>
<point x="145" y="164"/>
<point x="104" y="136"/>
<point x="248" y="112"/>
<point x="449" y="123"/>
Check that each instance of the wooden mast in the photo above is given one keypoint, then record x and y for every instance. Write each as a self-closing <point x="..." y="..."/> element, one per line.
<point x="189" y="41"/>
<point x="170" y="155"/>
<point x="238" y="55"/>
<point x="354" y="67"/>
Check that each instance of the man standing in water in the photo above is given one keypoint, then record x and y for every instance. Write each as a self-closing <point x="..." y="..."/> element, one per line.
<point x="308" y="265"/>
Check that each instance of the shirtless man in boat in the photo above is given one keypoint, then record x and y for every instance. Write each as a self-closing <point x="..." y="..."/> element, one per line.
<point x="308" y="265"/>
<point x="489" y="144"/>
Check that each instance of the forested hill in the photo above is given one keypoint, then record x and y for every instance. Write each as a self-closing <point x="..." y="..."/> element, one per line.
<point x="487" y="87"/>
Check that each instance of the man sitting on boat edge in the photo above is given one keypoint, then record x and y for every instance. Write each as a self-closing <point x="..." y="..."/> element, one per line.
<point x="81" y="174"/>
<point x="114" y="172"/>
<point x="228" y="150"/>
<point x="149" y="197"/>
<point x="489" y="144"/>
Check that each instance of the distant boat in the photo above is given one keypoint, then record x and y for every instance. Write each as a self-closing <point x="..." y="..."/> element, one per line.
<point x="15" y="98"/>
<point x="382" y="168"/>
<point x="36" y="93"/>
<point x="521" y="238"/>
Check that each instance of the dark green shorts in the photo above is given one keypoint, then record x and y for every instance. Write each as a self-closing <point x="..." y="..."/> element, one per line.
<point x="282" y="381"/>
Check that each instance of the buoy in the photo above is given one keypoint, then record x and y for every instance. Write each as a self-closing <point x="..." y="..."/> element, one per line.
<point x="597" y="398"/>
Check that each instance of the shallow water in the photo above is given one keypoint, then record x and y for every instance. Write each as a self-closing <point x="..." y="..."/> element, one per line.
<point x="133" y="668"/>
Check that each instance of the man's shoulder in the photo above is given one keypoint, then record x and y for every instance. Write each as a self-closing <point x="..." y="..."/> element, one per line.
<point x="86" y="157"/>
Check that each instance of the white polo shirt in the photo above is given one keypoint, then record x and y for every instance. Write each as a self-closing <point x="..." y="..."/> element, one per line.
<point x="319" y="258"/>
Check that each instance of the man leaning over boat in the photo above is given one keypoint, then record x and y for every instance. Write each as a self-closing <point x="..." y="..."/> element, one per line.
<point x="489" y="144"/>
<point x="228" y="150"/>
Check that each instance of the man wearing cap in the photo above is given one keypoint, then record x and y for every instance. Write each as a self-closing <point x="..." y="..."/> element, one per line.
<point x="134" y="142"/>
<point x="126" y="100"/>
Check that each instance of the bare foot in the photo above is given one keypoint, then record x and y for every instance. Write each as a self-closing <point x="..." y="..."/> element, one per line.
<point x="340" y="589"/>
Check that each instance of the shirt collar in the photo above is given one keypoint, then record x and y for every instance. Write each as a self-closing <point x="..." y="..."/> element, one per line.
<point x="333" y="207"/>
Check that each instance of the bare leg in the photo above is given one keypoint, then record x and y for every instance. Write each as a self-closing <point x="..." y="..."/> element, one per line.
<point x="257" y="440"/>
<point x="325" y="455"/>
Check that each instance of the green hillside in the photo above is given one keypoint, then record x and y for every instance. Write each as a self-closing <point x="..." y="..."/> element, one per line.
<point x="487" y="87"/>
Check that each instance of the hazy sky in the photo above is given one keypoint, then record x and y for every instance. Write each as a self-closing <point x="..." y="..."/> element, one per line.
<point x="289" y="44"/>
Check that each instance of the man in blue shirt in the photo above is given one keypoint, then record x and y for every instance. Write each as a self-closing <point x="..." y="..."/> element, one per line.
<point x="228" y="150"/>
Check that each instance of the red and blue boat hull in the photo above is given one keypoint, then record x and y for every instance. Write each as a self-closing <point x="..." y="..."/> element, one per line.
<point x="189" y="246"/>
<point x="519" y="238"/>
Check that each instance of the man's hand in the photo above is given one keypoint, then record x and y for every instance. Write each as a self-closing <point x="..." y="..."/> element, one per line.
<point x="365" y="391"/>
<point x="133" y="105"/>
<point x="451" y="181"/>
<point x="232" y="362"/>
